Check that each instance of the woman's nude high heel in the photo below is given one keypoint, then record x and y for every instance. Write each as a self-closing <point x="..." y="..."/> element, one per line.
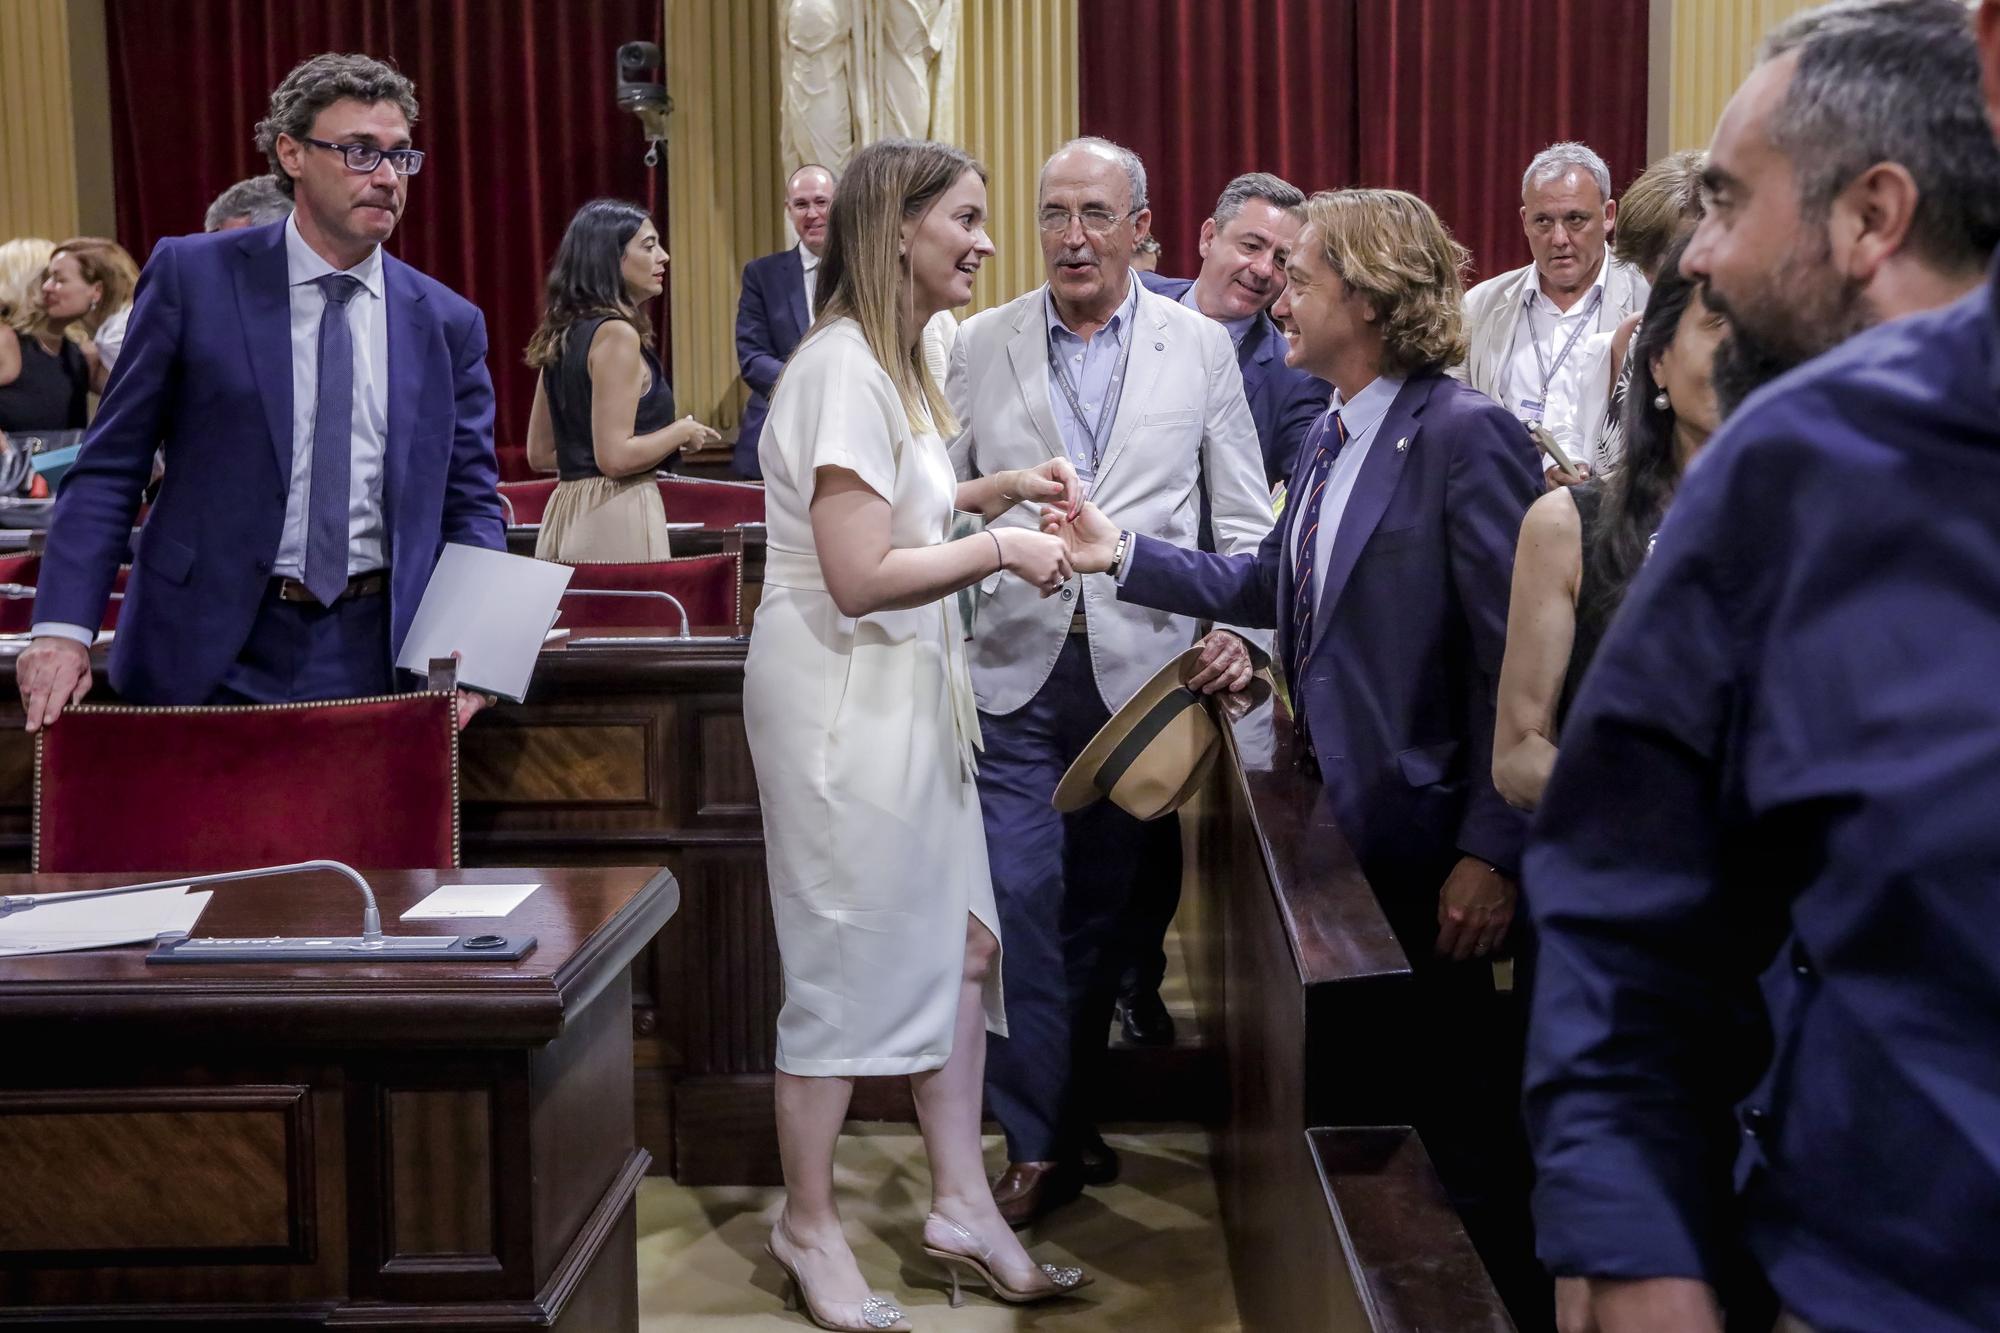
<point x="875" y="1313"/>
<point x="969" y="1253"/>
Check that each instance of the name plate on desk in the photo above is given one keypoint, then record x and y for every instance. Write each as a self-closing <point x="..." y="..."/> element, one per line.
<point x="344" y="949"/>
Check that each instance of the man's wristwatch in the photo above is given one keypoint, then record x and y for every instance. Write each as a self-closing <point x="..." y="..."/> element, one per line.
<point x="1119" y="552"/>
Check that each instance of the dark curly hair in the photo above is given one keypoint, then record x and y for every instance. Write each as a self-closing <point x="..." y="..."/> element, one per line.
<point x="1638" y="491"/>
<point x="317" y="84"/>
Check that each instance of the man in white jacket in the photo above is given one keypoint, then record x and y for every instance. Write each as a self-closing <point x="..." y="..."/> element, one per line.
<point x="1144" y="397"/>
<point x="1541" y="335"/>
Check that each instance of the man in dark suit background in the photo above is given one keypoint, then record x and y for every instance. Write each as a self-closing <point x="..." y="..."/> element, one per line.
<point x="775" y="310"/>
<point x="1388" y="578"/>
<point x="327" y="420"/>
<point x="1244" y="246"/>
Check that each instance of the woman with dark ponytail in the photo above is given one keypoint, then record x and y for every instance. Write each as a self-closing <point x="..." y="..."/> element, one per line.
<point x="1581" y="546"/>
<point x="604" y="415"/>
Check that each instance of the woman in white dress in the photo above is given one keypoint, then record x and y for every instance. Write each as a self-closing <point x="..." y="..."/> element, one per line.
<point x="863" y="731"/>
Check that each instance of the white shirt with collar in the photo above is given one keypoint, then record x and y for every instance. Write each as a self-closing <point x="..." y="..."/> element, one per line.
<point x="1363" y="419"/>
<point x="811" y="263"/>
<point x="368" y="326"/>
<point x="1576" y="386"/>
<point x="1237" y="327"/>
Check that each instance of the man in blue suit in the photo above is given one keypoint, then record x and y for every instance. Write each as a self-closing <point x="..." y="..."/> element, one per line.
<point x="776" y="307"/>
<point x="328" y="425"/>
<point x="1773" y="812"/>
<point x="1244" y="246"/>
<point x="1388" y="580"/>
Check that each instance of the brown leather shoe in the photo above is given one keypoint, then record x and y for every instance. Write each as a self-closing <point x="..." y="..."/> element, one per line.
<point x="1029" y="1191"/>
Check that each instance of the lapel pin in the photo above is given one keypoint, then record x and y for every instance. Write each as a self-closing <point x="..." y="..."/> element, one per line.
<point x="1403" y="445"/>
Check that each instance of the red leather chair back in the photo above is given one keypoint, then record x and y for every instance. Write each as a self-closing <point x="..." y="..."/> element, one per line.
<point x="709" y="586"/>
<point x="23" y="569"/>
<point x="512" y="460"/>
<point x="372" y="782"/>
<point x="713" y="504"/>
<point x="528" y="500"/>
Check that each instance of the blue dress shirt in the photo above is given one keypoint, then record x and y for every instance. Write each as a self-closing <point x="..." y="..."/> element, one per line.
<point x="1779" y="795"/>
<point x="1093" y="366"/>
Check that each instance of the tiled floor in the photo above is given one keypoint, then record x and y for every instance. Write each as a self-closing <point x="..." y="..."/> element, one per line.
<point x="1153" y="1242"/>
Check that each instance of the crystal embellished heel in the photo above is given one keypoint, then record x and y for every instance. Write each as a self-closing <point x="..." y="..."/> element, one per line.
<point x="875" y="1313"/>
<point x="977" y="1258"/>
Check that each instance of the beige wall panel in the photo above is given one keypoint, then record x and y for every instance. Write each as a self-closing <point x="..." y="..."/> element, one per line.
<point x="725" y="186"/>
<point x="1711" y="45"/>
<point x="55" y="120"/>
<point x="1018" y="100"/>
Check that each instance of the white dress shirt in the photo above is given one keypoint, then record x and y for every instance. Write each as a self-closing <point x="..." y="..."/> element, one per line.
<point x="1362" y="418"/>
<point x="368" y="324"/>
<point x="1573" y="389"/>
<point x="110" y="338"/>
<point x="811" y="262"/>
<point x="367" y="321"/>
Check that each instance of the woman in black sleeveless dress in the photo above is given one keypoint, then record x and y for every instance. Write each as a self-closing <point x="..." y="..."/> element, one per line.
<point x="604" y="414"/>
<point x="1580" y="546"/>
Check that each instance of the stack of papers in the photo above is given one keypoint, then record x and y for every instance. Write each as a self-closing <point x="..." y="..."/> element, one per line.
<point x="57" y="926"/>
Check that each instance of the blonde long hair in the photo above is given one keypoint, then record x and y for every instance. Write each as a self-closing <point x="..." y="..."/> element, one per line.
<point x="105" y="262"/>
<point x="1392" y="249"/>
<point x="861" y="276"/>
<point x="22" y="263"/>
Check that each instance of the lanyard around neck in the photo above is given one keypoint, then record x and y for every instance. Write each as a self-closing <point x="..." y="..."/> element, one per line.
<point x="1549" y="369"/>
<point x="1097" y="434"/>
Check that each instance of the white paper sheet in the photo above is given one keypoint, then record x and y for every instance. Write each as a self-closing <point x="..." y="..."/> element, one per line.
<point x="493" y="609"/>
<point x="99" y="923"/>
<point x="469" y="900"/>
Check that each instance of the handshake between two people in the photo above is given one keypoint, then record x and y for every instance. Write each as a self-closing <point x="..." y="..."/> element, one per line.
<point x="1090" y="544"/>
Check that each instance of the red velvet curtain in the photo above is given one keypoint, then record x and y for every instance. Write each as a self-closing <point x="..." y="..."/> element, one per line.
<point x="516" y="114"/>
<point x="1193" y="87"/>
<point x="1460" y="94"/>
<point x="1445" y="98"/>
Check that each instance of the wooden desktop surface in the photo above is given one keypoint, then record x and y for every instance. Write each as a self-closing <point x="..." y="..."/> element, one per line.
<point x="587" y="923"/>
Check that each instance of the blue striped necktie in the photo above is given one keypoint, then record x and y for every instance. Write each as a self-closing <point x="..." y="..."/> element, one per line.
<point x="1329" y="444"/>
<point x="332" y="446"/>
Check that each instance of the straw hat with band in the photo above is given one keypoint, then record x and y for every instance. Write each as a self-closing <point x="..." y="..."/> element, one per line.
<point x="1155" y="751"/>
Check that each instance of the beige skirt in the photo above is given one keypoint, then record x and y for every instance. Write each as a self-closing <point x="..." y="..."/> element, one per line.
<point x="604" y="518"/>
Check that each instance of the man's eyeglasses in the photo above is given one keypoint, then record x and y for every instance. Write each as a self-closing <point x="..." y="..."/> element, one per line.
<point x="365" y="158"/>
<point x="1096" y="221"/>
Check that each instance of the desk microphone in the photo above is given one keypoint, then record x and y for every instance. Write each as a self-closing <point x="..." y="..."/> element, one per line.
<point x="369" y="945"/>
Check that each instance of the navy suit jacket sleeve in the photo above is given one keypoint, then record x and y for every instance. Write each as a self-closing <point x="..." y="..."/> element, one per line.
<point x="1631" y="920"/>
<point x="91" y="530"/>
<point x="1239" y="589"/>
<point x="472" y="513"/>
<point x="1492" y="479"/>
<point x="756" y="352"/>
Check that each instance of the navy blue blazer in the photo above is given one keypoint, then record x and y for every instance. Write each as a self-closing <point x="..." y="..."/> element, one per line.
<point x="771" y="321"/>
<point x="1399" y="688"/>
<point x="1283" y="402"/>
<point x="1786" y="758"/>
<point x="207" y="371"/>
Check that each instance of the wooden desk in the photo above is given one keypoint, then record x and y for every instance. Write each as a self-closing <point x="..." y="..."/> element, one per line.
<point x="1304" y="988"/>
<point x="403" y="1146"/>
<point x="634" y="753"/>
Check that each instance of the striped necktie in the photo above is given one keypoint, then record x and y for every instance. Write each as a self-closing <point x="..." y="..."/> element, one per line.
<point x="1330" y="442"/>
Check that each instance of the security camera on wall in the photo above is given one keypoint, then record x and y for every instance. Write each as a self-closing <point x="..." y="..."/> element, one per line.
<point x="642" y="90"/>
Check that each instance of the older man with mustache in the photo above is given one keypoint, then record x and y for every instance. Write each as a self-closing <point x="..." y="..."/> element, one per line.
<point x="1144" y="397"/>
